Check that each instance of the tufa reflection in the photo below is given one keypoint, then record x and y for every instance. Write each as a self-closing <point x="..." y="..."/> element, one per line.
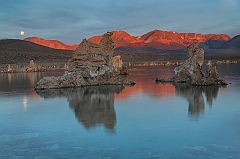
<point x="194" y="95"/>
<point x="92" y="104"/>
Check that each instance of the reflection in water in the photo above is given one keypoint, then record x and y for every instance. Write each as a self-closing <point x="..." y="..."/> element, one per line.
<point x="194" y="94"/>
<point x="19" y="82"/>
<point x="92" y="104"/>
<point x="25" y="102"/>
<point x="145" y="84"/>
<point x="9" y="78"/>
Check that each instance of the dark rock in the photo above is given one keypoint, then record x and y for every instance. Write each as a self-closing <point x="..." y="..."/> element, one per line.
<point x="129" y="83"/>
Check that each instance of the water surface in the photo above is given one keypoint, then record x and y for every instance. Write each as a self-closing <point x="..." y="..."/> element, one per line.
<point x="148" y="120"/>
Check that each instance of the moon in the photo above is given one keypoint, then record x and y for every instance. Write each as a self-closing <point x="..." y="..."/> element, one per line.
<point x="22" y="32"/>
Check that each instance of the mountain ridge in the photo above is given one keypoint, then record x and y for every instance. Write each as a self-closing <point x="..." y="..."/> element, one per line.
<point x="55" y="44"/>
<point x="16" y="51"/>
<point x="164" y="40"/>
<point x="233" y="44"/>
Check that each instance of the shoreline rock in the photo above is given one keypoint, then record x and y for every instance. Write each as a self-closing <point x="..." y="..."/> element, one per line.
<point x="191" y="70"/>
<point x="91" y="64"/>
<point x="31" y="67"/>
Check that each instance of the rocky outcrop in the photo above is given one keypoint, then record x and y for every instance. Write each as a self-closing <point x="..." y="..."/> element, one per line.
<point x="124" y="70"/>
<point x="91" y="64"/>
<point x="129" y="83"/>
<point x="191" y="70"/>
<point x="117" y="63"/>
<point x="32" y="67"/>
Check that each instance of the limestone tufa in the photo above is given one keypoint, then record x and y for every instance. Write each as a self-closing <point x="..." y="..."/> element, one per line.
<point x="191" y="70"/>
<point x="32" y="67"/>
<point x="91" y="64"/>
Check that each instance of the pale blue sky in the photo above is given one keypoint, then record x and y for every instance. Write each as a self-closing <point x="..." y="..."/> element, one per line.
<point x="70" y="21"/>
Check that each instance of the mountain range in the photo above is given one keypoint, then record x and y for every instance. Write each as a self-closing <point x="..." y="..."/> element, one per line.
<point x="164" y="40"/>
<point x="153" y="46"/>
<point x="156" y="39"/>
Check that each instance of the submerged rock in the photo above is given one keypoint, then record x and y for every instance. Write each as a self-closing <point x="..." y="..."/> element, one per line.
<point x="91" y="64"/>
<point x="191" y="70"/>
<point x="129" y="83"/>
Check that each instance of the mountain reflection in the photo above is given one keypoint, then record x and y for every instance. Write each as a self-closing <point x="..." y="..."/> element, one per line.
<point x="92" y="104"/>
<point x="194" y="95"/>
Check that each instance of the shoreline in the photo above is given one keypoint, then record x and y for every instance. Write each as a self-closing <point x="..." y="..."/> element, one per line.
<point x="130" y="63"/>
<point x="175" y="62"/>
<point x="61" y="66"/>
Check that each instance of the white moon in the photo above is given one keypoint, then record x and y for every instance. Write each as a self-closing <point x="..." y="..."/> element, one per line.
<point x="22" y="32"/>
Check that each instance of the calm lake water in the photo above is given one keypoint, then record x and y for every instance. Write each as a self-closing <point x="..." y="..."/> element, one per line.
<point x="146" y="121"/>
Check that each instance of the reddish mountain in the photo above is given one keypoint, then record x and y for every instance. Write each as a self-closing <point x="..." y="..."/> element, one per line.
<point x="120" y="38"/>
<point x="157" y="39"/>
<point x="165" y="40"/>
<point x="51" y="43"/>
<point x="169" y="40"/>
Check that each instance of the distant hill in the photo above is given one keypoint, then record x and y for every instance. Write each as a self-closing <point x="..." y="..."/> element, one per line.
<point x="15" y="51"/>
<point x="233" y="44"/>
<point x="55" y="44"/>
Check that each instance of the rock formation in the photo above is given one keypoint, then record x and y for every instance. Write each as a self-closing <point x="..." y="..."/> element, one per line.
<point x="191" y="70"/>
<point x="32" y="67"/>
<point x="91" y="64"/>
<point x="117" y="63"/>
<point x="9" y="68"/>
<point x="124" y="71"/>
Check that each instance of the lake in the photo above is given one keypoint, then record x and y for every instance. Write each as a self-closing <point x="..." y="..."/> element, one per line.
<point x="147" y="121"/>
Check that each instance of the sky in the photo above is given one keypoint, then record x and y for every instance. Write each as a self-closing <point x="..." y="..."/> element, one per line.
<point x="70" y="21"/>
